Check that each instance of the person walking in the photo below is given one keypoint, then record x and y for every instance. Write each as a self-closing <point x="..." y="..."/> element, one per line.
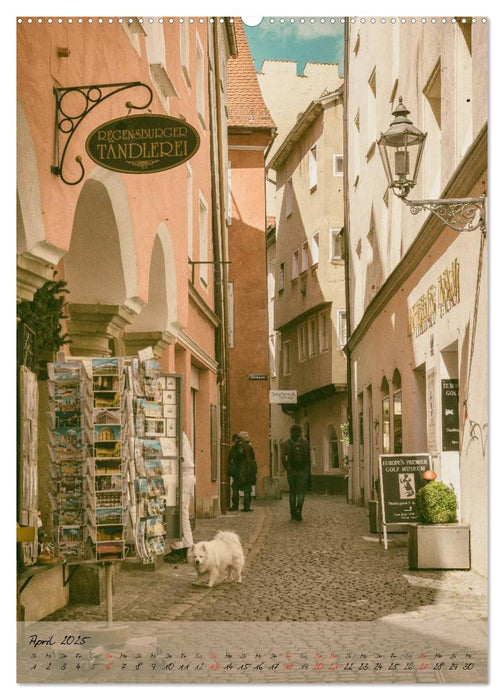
<point x="179" y="547"/>
<point x="242" y="467"/>
<point x="296" y="460"/>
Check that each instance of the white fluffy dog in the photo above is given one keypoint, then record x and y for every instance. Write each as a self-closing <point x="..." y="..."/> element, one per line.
<point x="221" y="557"/>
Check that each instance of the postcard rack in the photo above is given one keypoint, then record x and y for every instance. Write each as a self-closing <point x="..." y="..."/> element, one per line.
<point x="69" y="445"/>
<point x="115" y="446"/>
<point x="154" y="449"/>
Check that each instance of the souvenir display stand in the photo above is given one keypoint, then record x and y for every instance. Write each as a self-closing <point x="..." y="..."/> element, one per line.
<point x="115" y="444"/>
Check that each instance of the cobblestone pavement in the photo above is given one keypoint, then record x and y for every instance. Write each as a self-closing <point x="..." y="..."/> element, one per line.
<point x="326" y="569"/>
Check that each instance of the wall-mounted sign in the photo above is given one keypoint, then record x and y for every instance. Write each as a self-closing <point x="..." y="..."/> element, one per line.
<point x="400" y="479"/>
<point x="437" y="301"/>
<point x="283" y="396"/>
<point x="450" y="419"/>
<point x="258" y="377"/>
<point x="145" y="143"/>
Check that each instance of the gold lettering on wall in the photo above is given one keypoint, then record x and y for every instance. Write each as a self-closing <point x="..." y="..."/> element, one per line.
<point x="438" y="298"/>
<point x="449" y="288"/>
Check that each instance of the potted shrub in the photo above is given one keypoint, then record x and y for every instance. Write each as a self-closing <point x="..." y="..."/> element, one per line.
<point x="437" y="540"/>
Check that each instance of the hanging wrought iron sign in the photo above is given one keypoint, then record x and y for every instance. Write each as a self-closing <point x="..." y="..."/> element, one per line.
<point x="144" y="143"/>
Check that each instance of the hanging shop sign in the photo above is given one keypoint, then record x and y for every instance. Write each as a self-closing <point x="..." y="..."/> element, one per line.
<point x="283" y="396"/>
<point x="450" y="417"/>
<point x="400" y="479"/>
<point x="146" y="143"/>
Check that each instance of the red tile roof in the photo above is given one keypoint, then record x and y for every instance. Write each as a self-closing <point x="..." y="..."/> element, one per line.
<point x="246" y="106"/>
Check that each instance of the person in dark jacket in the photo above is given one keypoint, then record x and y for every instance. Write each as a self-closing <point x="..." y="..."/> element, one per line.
<point x="296" y="460"/>
<point x="242" y="467"/>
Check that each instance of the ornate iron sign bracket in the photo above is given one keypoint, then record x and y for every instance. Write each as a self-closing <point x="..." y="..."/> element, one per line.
<point x="67" y="123"/>
<point x="458" y="214"/>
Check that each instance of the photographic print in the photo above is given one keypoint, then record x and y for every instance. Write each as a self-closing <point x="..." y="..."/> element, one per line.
<point x="252" y="260"/>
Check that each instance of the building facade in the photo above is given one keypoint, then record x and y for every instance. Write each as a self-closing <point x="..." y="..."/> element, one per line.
<point x="417" y="287"/>
<point x="309" y="291"/>
<point x="250" y="134"/>
<point x="139" y="252"/>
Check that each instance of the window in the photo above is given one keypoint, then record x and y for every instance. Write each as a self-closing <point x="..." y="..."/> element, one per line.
<point x="229" y="205"/>
<point x="295" y="264"/>
<point x="386" y="425"/>
<point x="302" y="345"/>
<point x="397" y="397"/>
<point x="289" y="198"/>
<point x="184" y="52"/>
<point x="432" y="124"/>
<point x="200" y="82"/>
<point x="313" y="167"/>
<point x="332" y="448"/>
<point x="203" y="239"/>
<point x="315" y="248"/>
<point x="189" y="212"/>
<point x="304" y="257"/>
<point x="281" y="276"/>
<point x="338" y="165"/>
<point x="312" y="336"/>
<point x="385" y="416"/>
<point x="342" y="328"/>
<point x="324" y="327"/>
<point x="286" y="358"/>
<point x="337" y="244"/>
<point x="397" y="410"/>
<point x="231" y="315"/>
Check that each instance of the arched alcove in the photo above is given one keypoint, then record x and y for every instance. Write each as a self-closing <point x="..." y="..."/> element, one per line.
<point x="161" y="308"/>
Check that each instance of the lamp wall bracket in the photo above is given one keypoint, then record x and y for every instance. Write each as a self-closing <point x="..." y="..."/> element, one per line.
<point x="459" y="214"/>
<point x="67" y="123"/>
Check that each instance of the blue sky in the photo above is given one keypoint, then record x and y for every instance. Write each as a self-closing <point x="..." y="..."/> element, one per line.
<point x="317" y="39"/>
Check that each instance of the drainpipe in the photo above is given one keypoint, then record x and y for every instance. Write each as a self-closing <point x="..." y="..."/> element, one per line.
<point x="221" y="283"/>
<point x="347" y="261"/>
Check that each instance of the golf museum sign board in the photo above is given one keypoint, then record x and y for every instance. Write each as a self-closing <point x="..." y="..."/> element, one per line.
<point x="145" y="143"/>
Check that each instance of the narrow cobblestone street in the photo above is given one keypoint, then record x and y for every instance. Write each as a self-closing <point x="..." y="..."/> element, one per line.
<point x="323" y="583"/>
<point x="328" y="567"/>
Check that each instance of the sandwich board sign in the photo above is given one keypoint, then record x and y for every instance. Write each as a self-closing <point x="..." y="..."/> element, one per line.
<point x="400" y="479"/>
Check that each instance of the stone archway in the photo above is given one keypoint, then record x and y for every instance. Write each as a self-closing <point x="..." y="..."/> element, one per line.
<point x="35" y="256"/>
<point x="100" y="266"/>
<point x="157" y="324"/>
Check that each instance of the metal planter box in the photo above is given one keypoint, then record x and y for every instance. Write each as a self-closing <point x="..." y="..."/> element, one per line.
<point x="439" y="546"/>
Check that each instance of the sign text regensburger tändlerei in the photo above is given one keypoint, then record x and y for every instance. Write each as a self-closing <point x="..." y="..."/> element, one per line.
<point x="144" y="143"/>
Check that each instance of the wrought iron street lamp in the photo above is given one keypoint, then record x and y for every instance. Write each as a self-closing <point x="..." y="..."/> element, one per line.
<point x="401" y="149"/>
